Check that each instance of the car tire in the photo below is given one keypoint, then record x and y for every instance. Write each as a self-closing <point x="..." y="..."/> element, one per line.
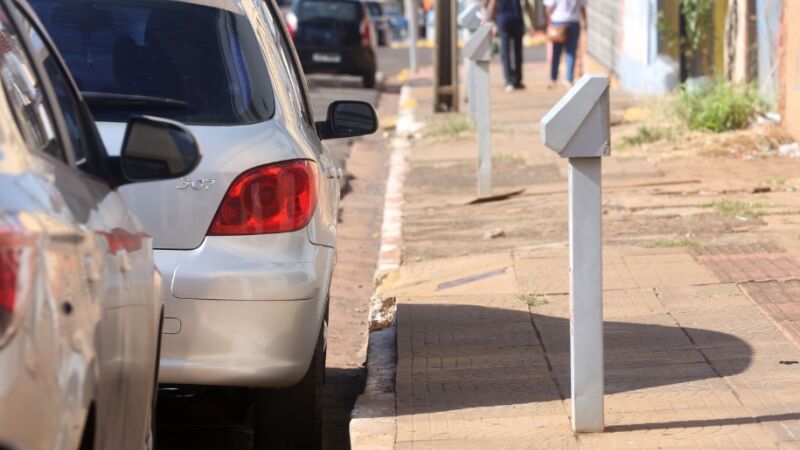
<point x="291" y="418"/>
<point x="368" y="80"/>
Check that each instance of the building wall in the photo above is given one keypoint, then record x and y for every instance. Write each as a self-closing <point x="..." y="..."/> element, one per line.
<point x="768" y="13"/>
<point x="790" y="68"/>
<point x="640" y="66"/>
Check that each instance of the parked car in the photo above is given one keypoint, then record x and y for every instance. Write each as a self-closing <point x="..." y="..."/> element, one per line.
<point x="80" y="300"/>
<point x="246" y="242"/>
<point x="398" y="24"/>
<point x="379" y="19"/>
<point x="334" y="36"/>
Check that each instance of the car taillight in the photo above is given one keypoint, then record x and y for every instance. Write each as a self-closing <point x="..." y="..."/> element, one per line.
<point x="365" y="33"/>
<point x="269" y="199"/>
<point x="16" y="259"/>
<point x="291" y="24"/>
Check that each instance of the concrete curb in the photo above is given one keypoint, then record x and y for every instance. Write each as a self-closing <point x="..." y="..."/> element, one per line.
<point x="372" y="424"/>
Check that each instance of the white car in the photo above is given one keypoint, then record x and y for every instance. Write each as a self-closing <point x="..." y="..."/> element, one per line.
<point x="246" y="242"/>
<point x="80" y="301"/>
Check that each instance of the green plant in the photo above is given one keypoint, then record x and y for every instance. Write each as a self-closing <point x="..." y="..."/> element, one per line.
<point x="736" y="208"/>
<point x="507" y="157"/>
<point x="673" y="243"/>
<point x="452" y="124"/>
<point x="532" y="300"/>
<point x="776" y="181"/>
<point x="718" y="106"/>
<point x="647" y="135"/>
<point x="698" y="20"/>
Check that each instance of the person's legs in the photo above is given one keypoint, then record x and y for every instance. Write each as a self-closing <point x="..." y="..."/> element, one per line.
<point x="573" y="37"/>
<point x="518" y="58"/>
<point x="505" y="56"/>
<point x="555" y="61"/>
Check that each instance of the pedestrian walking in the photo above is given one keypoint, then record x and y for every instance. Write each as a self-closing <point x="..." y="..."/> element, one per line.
<point x="507" y="15"/>
<point x="565" y="20"/>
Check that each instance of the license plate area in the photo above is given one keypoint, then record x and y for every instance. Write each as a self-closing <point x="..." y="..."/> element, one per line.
<point x="330" y="58"/>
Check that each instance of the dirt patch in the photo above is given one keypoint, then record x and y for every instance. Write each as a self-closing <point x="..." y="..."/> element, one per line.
<point x="461" y="177"/>
<point x="759" y="141"/>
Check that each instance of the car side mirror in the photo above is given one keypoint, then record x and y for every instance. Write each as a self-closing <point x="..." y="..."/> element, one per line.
<point x="348" y="118"/>
<point x="157" y="149"/>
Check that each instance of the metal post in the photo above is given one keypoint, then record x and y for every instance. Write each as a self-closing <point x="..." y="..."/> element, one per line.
<point x="586" y="294"/>
<point x="483" y="120"/>
<point x="577" y="127"/>
<point x="445" y="62"/>
<point x="413" y="28"/>
<point x="470" y="20"/>
<point x="479" y="52"/>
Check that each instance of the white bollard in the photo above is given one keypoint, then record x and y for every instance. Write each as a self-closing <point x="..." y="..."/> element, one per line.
<point x="577" y="127"/>
<point x="479" y="51"/>
<point x="470" y="20"/>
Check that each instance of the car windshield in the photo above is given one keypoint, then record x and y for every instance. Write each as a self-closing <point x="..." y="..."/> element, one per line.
<point x="188" y="62"/>
<point x="329" y="11"/>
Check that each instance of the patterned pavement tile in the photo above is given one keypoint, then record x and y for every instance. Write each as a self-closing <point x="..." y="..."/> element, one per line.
<point x="748" y="262"/>
<point x="780" y="300"/>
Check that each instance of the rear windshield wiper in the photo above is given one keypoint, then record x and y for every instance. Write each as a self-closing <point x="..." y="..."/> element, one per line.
<point x="111" y="99"/>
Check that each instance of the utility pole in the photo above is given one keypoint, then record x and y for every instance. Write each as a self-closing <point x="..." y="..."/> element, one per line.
<point x="445" y="83"/>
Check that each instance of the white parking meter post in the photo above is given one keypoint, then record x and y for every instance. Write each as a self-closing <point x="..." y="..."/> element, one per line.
<point x="413" y="27"/>
<point x="479" y="50"/>
<point x="469" y="19"/>
<point x="577" y="127"/>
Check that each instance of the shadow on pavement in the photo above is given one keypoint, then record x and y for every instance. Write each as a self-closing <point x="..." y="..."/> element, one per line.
<point x="463" y="356"/>
<point x="704" y="423"/>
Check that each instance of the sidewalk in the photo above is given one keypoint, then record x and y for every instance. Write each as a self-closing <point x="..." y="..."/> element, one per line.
<point x="701" y="303"/>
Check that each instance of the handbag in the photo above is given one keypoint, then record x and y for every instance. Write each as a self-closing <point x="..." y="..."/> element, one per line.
<point x="557" y="34"/>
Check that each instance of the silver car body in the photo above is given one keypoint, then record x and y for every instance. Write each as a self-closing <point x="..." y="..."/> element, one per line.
<point x="242" y="310"/>
<point x="84" y="339"/>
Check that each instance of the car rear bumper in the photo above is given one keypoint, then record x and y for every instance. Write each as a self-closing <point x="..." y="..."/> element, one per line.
<point x="354" y="60"/>
<point x="243" y="311"/>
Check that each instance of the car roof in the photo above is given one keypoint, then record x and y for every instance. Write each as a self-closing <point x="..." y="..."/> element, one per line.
<point x="228" y="5"/>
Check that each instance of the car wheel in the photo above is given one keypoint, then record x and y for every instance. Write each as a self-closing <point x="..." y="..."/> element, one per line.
<point x="291" y="418"/>
<point x="368" y="80"/>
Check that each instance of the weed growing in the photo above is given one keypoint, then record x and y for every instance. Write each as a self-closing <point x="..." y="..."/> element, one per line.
<point x="451" y="125"/>
<point x="646" y="135"/>
<point x="673" y="243"/>
<point x="734" y="209"/>
<point x="718" y="106"/>
<point x="532" y="300"/>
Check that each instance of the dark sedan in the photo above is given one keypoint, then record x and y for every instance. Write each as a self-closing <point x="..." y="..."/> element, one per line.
<point x="334" y="36"/>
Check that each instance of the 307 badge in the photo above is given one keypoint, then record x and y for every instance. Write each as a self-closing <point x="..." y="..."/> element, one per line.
<point x="196" y="185"/>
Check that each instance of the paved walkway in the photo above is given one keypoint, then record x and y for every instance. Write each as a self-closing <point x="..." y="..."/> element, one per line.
<point x="701" y="307"/>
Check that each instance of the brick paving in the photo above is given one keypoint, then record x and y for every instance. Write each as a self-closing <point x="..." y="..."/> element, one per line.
<point x="736" y="263"/>
<point x="701" y="343"/>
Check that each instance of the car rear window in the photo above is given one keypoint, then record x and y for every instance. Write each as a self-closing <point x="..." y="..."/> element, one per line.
<point x="192" y="63"/>
<point x="329" y="11"/>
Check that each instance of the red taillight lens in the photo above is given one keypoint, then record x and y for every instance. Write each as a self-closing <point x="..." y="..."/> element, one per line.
<point x="366" y="38"/>
<point x="16" y="250"/>
<point x="9" y="272"/>
<point x="269" y="199"/>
